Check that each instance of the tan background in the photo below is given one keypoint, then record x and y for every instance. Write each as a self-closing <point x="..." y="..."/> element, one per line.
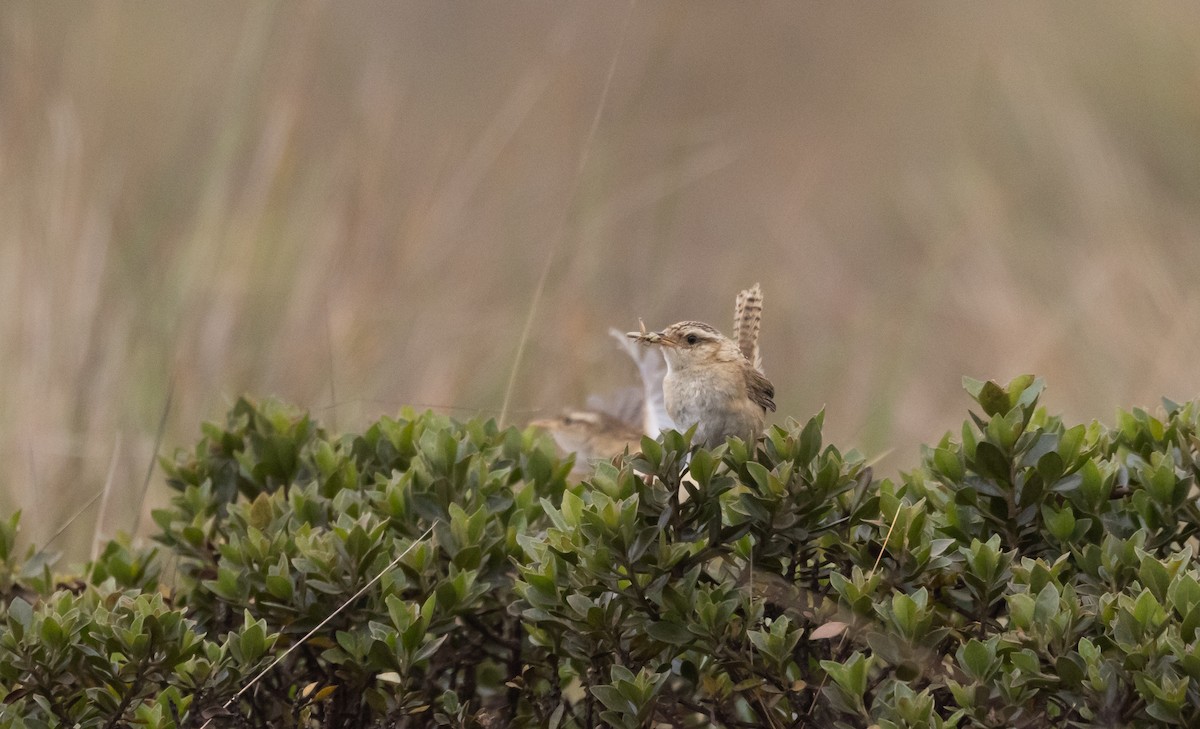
<point x="350" y="205"/>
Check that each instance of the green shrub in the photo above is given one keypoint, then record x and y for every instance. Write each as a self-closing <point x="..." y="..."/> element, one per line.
<point x="1024" y="574"/>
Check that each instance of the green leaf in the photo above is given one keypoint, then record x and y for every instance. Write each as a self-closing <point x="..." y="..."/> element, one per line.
<point x="948" y="463"/>
<point x="904" y="612"/>
<point x="991" y="463"/>
<point x="852" y="674"/>
<point x="1184" y="592"/>
<point x="1050" y="468"/>
<point x="1146" y="610"/>
<point x="993" y="399"/>
<point x="280" y="586"/>
<point x="702" y="466"/>
<point x="52" y="633"/>
<point x="572" y="508"/>
<point x="1020" y="610"/>
<point x="614" y="700"/>
<point x="978" y="658"/>
<point x="1002" y="430"/>
<point x="761" y="476"/>
<point x="260" y="512"/>
<point x="973" y="387"/>
<point x="652" y="451"/>
<point x="21" y="611"/>
<point x="810" y="440"/>
<point x="1069" y="670"/>
<point x="1161" y="483"/>
<point x="1047" y="604"/>
<point x="1060" y="522"/>
<point x="252" y="642"/>
<point x="1070" y="444"/>
<point x="1153" y="575"/>
<point x="1023" y="391"/>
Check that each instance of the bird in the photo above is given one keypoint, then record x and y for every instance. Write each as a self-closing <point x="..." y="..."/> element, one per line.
<point x="712" y="383"/>
<point x="618" y="420"/>
<point x="592" y="435"/>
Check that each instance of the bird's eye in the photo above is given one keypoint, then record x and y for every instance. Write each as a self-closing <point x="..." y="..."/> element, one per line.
<point x="692" y="339"/>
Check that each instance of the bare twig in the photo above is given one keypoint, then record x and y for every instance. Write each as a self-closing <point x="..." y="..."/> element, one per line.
<point x="108" y="482"/>
<point x="158" y="438"/>
<point x="279" y="659"/>
<point x="846" y="634"/>
<point x="332" y="380"/>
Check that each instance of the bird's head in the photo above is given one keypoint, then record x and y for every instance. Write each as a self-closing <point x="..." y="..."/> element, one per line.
<point x="689" y="343"/>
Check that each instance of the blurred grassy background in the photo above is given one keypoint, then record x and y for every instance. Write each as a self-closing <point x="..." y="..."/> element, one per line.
<point x="350" y="205"/>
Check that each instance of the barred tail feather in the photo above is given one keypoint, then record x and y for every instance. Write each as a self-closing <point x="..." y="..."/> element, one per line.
<point x="747" y="320"/>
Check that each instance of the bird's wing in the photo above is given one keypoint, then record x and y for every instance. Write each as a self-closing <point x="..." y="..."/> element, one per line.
<point x="624" y="405"/>
<point x="747" y="319"/>
<point x="652" y="368"/>
<point x="760" y="389"/>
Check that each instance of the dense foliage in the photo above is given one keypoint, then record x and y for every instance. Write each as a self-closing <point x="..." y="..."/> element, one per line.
<point x="1025" y="574"/>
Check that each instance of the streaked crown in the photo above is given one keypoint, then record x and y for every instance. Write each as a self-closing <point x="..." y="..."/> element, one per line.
<point x="691" y="333"/>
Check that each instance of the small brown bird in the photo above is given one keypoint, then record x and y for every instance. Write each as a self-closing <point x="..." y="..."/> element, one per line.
<point x="619" y="419"/>
<point x="711" y="383"/>
<point x="593" y="436"/>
